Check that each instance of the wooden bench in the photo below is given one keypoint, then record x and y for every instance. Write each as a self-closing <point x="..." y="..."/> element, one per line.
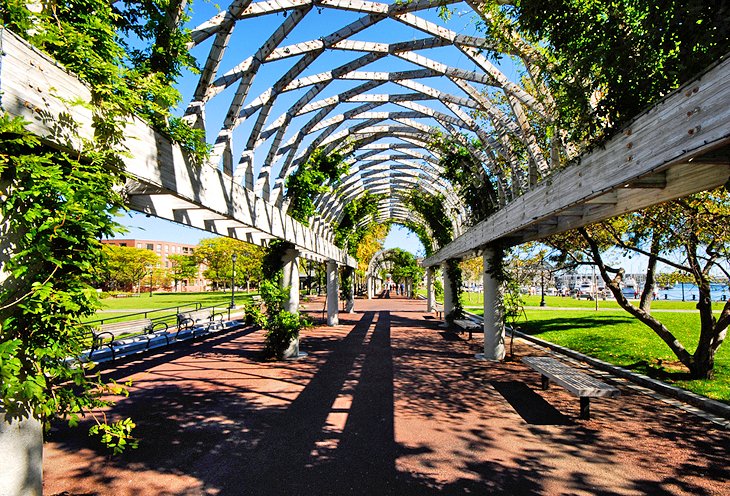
<point x="578" y="383"/>
<point x="468" y="325"/>
<point x="439" y="309"/>
<point x="107" y="334"/>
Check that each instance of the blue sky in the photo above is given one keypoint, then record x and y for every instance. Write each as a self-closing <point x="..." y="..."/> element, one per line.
<point x="139" y="226"/>
<point x="249" y="35"/>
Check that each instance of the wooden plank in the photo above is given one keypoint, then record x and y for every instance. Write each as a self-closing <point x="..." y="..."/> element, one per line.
<point x="575" y="381"/>
<point x="666" y="138"/>
<point x="34" y="87"/>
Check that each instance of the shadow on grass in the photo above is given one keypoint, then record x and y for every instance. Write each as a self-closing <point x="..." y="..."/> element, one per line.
<point x="536" y="327"/>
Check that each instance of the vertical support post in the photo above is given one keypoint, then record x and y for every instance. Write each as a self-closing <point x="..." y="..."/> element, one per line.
<point x="493" y="309"/>
<point x="370" y="282"/>
<point x="430" y="293"/>
<point x="350" y="302"/>
<point x="333" y="290"/>
<point x="291" y="279"/>
<point x="448" y="292"/>
<point x="21" y="443"/>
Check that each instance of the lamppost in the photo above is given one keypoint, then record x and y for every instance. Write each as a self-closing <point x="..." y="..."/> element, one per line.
<point x="233" y="281"/>
<point x="542" y="286"/>
<point x="150" y="267"/>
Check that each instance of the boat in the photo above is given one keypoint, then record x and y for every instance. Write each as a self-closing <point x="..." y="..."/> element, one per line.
<point x="629" y="288"/>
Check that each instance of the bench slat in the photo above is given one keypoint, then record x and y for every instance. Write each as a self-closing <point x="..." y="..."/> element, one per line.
<point x="128" y="327"/>
<point x="576" y="382"/>
<point x="467" y="324"/>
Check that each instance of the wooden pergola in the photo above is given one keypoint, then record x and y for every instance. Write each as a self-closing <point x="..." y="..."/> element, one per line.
<point x="330" y="91"/>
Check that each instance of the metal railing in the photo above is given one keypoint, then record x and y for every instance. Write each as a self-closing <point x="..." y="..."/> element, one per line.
<point x="188" y="307"/>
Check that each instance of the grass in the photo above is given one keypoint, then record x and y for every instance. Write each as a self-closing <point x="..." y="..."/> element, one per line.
<point x="476" y="299"/>
<point x="164" y="304"/>
<point x="163" y="300"/>
<point x="616" y="337"/>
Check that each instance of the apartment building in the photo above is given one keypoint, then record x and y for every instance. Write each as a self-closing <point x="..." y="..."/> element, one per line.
<point x="164" y="249"/>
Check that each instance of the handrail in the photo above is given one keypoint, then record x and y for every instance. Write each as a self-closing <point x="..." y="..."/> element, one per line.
<point x="144" y="314"/>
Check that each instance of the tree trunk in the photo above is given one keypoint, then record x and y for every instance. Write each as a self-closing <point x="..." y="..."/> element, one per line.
<point x="644" y="317"/>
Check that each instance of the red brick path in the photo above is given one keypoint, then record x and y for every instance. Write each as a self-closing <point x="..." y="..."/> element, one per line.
<point x="385" y="403"/>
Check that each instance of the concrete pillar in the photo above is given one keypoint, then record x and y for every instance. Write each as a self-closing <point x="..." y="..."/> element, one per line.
<point x="493" y="311"/>
<point x="350" y="303"/>
<point x="370" y="282"/>
<point x="333" y="290"/>
<point x="21" y="445"/>
<point x="430" y="293"/>
<point x="448" y="293"/>
<point x="291" y="279"/>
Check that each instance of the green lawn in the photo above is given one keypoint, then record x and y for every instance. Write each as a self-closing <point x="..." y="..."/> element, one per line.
<point x="164" y="304"/>
<point x="476" y="299"/>
<point x="616" y="337"/>
<point x="162" y="300"/>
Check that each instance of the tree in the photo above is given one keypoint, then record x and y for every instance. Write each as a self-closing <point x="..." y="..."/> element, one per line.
<point x="605" y="62"/>
<point x="126" y="266"/>
<point x="217" y="255"/>
<point x="249" y="264"/>
<point x="370" y="244"/>
<point x="182" y="267"/>
<point x="473" y="269"/>
<point x="697" y="230"/>
<point x="404" y="267"/>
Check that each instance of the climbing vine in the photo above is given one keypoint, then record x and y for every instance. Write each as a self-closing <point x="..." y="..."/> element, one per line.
<point x="313" y="177"/>
<point x="53" y="212"/>
<point x="432" y="209"/>
<point x="467" y="175"/>
<point x="56" y="206"/>
<point x="282" y="326"/>
<point x="455" y="280"/>
<point x="347" y="232"/>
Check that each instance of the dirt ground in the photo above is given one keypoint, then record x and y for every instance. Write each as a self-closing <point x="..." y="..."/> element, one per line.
<point x="386" y="403"/>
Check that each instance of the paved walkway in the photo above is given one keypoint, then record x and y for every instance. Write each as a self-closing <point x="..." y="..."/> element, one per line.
<point x="385" y="404"/>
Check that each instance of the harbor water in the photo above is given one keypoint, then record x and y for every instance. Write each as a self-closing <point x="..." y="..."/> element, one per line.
<point x="720" y="292"/>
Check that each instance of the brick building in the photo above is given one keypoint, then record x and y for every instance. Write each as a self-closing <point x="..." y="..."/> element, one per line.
<point x="163" y="249"/>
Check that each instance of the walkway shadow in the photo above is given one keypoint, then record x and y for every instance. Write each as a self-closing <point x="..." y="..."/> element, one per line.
<point x="536" y="327"/>
<point x="126" y="366"/>
<point x="326" y="425"/>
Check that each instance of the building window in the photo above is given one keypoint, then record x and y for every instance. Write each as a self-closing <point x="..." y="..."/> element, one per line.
<point x="150" y="246"/>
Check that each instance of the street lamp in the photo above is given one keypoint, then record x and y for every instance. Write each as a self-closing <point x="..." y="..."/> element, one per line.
<point x="542" y="286"/>
<point x="150" y="267"/>
<point x="233" y="281"/>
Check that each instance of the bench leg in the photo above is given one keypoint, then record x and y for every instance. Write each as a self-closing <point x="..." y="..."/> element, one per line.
<point x="545" y="382"/>
<point x="585" y="408"/>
